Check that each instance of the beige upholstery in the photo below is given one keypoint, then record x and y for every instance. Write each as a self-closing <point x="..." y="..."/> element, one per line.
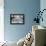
<point x="45" y="37"/>
<point x="39" y="35"/>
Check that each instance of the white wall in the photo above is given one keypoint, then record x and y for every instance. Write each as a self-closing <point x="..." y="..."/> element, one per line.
<point x="1" y="20"/>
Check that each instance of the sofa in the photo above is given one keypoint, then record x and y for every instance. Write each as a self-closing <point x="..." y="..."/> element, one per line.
<point x="39" y="33"/>
<point x="39" y="37"/>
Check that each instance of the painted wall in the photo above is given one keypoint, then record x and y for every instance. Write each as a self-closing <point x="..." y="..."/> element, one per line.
<point x="26" y="7"/>
<point x="43" y="6"/>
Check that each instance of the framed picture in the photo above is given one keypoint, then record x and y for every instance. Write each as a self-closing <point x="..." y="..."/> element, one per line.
<point x="16" y="18"/>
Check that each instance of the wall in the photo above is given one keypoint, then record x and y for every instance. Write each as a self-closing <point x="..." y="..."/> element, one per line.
<point x="1" y="20"/>
<point x="43" y="6"/>
<point x="26" y="7"/>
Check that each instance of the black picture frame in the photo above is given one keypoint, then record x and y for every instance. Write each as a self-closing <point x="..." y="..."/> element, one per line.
<point x="17" y="19"/>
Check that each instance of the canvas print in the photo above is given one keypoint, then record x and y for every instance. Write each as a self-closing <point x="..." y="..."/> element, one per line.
<point x="17" y="18"/>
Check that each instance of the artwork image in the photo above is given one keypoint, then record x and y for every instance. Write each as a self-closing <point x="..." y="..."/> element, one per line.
<point x="16" y="18"/>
